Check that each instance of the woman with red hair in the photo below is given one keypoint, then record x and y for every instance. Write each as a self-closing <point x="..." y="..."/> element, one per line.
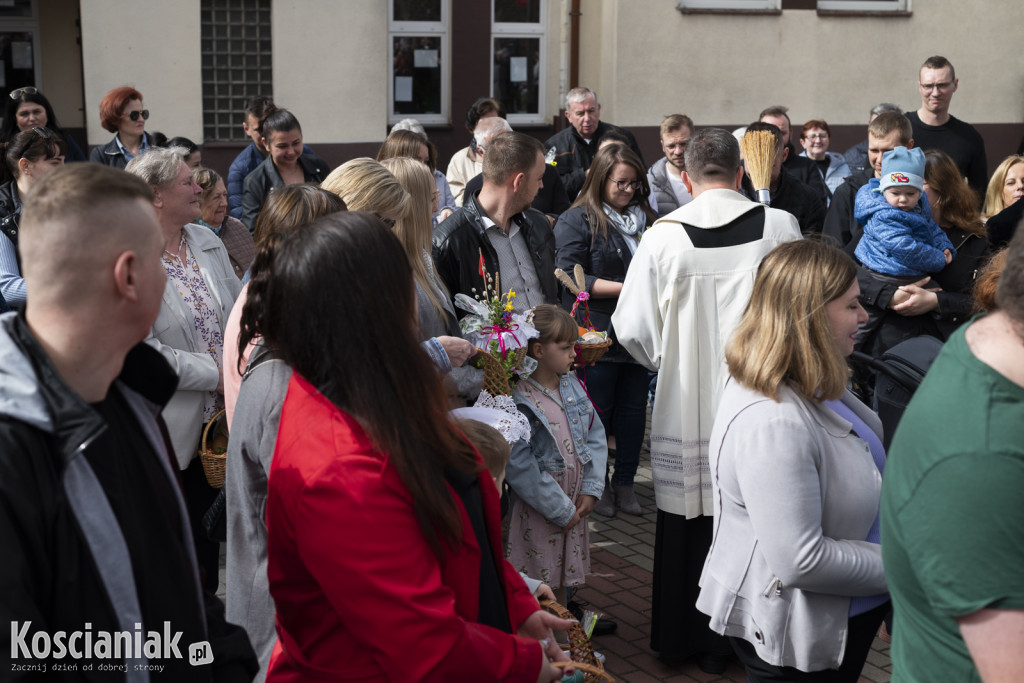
<point x="122" y="114"/>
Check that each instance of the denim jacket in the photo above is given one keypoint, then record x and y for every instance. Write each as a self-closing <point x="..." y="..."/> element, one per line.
<point x="527" y="471"/>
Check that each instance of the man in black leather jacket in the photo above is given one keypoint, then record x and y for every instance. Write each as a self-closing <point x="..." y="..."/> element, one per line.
<point x="497" y="232"/>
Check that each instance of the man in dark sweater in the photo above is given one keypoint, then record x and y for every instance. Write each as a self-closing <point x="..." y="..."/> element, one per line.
<point x="935" y="128"/>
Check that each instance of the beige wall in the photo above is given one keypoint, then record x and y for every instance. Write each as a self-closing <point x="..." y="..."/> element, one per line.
<point x="331" y="67"/>
<point x="153" y="46"/>
<point x="726" y="68"/>
<point x="61" y="61"/>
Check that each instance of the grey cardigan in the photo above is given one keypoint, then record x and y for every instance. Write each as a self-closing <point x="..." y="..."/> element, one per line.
<point x="250" y="453"/>
<point x="795" y="494"/>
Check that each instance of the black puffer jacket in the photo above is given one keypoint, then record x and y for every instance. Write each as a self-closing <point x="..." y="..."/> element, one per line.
<point x="460" y="241"/>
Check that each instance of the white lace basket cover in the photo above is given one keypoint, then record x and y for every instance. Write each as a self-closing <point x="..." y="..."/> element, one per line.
<point x="499" y="412"/>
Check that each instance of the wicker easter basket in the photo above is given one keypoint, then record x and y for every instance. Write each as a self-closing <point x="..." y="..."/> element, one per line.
<point x="213" y="463"/>
<point x="589" y="354"/>
<point x="495" y="380"/>
<point x="580" y="651"/>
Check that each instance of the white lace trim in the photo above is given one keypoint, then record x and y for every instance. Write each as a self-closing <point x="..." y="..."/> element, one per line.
<point x="499" y="412"/>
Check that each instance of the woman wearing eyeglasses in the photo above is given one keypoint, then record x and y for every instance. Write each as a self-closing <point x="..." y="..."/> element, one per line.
<point x="601" y="231"/>
<point x="122" y="114"/>
<point x="26" y="108"/>
<point x="29" y="156"/>
<point x="815" y="138"/>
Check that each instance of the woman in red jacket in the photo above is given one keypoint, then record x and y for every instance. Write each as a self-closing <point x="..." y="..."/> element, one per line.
<point x="383" y="527"/>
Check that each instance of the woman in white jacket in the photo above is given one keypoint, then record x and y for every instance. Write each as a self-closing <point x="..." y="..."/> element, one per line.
<point x="189" y="331"/>
<point x="794" y="576"/>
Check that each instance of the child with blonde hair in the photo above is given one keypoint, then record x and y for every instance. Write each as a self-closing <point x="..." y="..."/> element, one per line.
<point x="558" y="475"/>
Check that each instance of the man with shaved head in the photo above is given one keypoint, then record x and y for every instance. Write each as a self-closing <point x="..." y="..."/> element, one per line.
<point x="92" y="521"/>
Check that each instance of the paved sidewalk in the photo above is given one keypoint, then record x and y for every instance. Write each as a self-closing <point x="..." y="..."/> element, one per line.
<point x="622" y="552"/>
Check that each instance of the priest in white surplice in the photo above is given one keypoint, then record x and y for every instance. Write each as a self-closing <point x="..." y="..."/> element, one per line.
<point x="687" y="286"/>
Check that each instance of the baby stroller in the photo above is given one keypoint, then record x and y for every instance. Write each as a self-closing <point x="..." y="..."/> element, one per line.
<point x="897" y="374"/>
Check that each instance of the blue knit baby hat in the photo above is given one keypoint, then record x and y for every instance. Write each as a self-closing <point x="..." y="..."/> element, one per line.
<point x="902" y="167"/>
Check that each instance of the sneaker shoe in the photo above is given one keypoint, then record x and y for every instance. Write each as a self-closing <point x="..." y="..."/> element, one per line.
<point x="606" y="506"/>
<point x="625" y="496"/>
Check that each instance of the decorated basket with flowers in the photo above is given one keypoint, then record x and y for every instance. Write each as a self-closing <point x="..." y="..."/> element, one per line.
<point x="592" y="343"/>
<point x="499" y="332"/>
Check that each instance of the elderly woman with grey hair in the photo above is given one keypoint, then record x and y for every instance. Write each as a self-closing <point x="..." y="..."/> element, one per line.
<point x="189" y="331"/>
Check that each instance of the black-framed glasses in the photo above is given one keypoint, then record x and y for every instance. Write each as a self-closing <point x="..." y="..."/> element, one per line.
<point x="388" y="222"/>
<point x="134" y="115"/>
<point x="27" y="90"/>
<point x="626" y="184"/>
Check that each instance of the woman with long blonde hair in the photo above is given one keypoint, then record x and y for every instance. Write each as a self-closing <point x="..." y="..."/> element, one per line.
<point x="794" y="576"/>
<point x="436" y="314"/>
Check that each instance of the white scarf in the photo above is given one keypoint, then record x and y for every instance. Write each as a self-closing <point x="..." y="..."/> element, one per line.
<point x="629" y="224"/>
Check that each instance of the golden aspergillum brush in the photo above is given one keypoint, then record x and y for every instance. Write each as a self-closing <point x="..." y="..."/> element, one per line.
<point x="758" y="148"/>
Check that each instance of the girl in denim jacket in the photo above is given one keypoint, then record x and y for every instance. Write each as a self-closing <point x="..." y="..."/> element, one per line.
<point x="558" y="475"/>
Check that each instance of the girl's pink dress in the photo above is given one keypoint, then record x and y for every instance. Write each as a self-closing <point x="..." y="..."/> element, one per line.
<point x="536" y="547"/>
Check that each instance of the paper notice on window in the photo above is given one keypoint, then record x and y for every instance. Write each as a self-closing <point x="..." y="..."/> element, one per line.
<point x="517" y="69"/>
<point x="21" y="55"/>
<point x="403" y="88"/>
<point x="425" y="59"/>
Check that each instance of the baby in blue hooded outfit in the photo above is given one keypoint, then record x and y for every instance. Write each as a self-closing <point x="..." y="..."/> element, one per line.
<point x="901" y="242"/>
<point x="900" y="238"/>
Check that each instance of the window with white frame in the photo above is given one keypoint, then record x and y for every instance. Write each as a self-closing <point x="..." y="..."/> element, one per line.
<point x="863" y="5"/>
<point x="420" y="54"/>
<point x="518" y="48"/>
<point x="734" y="5"/>
<point x="19" y="46"/>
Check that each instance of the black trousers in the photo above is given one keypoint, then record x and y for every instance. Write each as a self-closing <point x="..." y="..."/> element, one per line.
<point x="861" y="633"/>
<point x="199" y="496"/>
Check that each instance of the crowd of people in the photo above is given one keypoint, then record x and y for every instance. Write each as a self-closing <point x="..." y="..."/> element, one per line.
<point x="374" y="529"/>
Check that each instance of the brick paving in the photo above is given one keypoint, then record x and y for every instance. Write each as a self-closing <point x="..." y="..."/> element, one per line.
<point x="622" y="551"/>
